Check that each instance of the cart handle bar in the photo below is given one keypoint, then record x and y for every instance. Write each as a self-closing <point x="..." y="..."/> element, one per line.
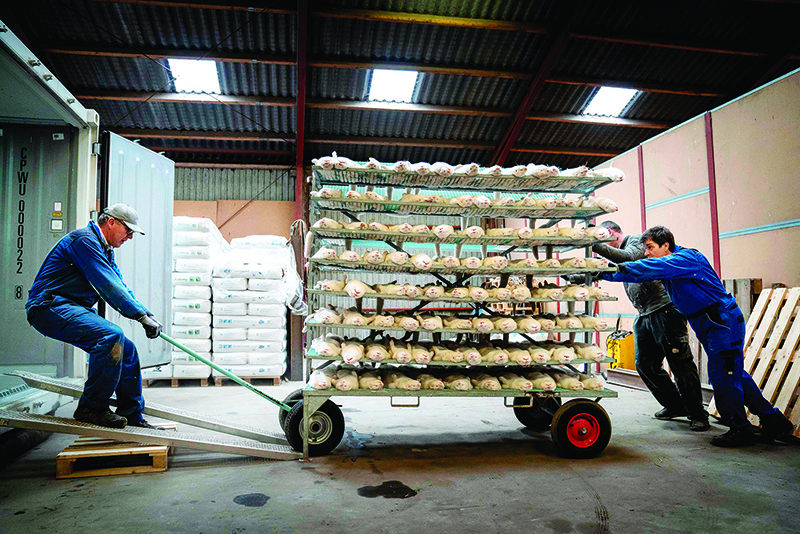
<point x="216" y="367"/>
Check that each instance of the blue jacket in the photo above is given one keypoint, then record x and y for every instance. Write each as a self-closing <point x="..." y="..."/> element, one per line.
<point x="687" y="275"/>
<point x="81" y="268"/>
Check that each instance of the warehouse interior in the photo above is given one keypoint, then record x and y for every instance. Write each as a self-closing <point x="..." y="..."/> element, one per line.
<point x="706" y="137"/>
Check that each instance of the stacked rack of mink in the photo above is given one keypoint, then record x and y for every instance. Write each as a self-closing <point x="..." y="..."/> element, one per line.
<point x="450" y="280"/>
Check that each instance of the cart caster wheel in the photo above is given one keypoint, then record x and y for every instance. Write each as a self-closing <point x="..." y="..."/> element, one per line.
<point x="539" y="416"/>
<point x="326" y="428"/>
<point x="291" y="399"/>
<point x="581" y="429"/>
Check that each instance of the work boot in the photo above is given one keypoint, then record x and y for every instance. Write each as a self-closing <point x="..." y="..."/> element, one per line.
<point x="700" y="424"/>
<point x="666" y="413"/>
<point x="100" y="418"/>
<point x="144" y="424"/>
<point x="774" y="425"/>
<point x="734" y="438"/>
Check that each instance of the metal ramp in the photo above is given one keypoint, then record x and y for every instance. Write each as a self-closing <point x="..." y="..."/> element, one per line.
<point x="143" y="435"/>
<point x="252" y="445"/>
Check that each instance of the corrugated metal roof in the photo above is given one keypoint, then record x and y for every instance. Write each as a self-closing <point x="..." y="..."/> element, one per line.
<point x="402" y="124"/>
<point x="754" y="26"/>
<point x="424" y="43"/>
<point x="183" y="116"/>
<point x="147" y="26"/>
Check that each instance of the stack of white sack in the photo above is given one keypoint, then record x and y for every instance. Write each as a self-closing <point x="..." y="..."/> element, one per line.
<point x="249" y="334"/>
<point x="196" y="244"/>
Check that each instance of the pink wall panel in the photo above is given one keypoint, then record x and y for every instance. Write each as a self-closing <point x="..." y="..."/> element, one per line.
<point x="689" y="220"/>
<point x="771" y="256"/>
<point x="675" y="162"/>
<point x="757" y="153"/>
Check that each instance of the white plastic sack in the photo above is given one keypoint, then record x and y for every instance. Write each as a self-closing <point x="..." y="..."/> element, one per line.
<point x="258" y="241"/>
<point x="224" y="359"/>
<point x="247" y="346"/>
<point x="229" y="284"/>
<point x="229" y="308"/>
<point x="260" y="284"/>
<point x="195" y="344"/>
<point x="191" y="319"/>
<point x="192" y="266"/>
<point x="229" y="334"/>
<point x="191" y="292"/>
<point x="182" y="223"/>
<point x="159" y="371"/>
<point x="187" y="331"/>
<point x="191" y="279"/>
<point x="267" y="358"/>
<point x="197" y="252"/>
<point x="190" y="371"/>
<point x="191" y="305"/>
<point x="253" y="371"/>
<point x="273" y="310"/>
<point x="266" y="334"/>
<point x="250" y="297"/>
<point x="191" y="239"/>
<point x="247" y="321"/>
<point x="185" y="359"/>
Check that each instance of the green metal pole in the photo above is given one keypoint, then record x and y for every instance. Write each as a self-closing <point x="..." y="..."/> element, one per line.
<point x="230" y="375"/>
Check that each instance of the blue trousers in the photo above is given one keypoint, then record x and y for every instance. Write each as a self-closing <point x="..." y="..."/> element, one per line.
<point x="721" y="331"/>
<point x="113" y="359"/>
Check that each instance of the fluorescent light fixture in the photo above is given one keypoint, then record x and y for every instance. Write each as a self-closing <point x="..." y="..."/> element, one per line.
<point x="610" y="101"/>
<point x="392" y="85"/>
<point x="195" y="75"/>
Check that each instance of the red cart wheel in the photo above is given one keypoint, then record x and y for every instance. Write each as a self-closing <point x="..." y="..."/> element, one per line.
<point x="581" y="429"/>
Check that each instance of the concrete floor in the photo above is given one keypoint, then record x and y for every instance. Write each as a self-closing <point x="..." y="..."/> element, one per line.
<point x="473" y="467"/>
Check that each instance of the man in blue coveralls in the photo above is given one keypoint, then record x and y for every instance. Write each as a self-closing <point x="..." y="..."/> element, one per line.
<point x="77" y="272"/>
<point x="698" y="293"/>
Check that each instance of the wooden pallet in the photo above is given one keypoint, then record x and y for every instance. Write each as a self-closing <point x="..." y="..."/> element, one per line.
<point x="771" y="354"/>
<point x="94" y="457"/>
<point x="276" y="380"/>
<point x="174" y="382"/>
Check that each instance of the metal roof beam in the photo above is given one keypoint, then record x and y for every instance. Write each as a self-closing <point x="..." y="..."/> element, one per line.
<point x="554" y="53"/>
<point x="349" y="140"/>
<point x="199" y="98"/>
<point x="247" y="57"/>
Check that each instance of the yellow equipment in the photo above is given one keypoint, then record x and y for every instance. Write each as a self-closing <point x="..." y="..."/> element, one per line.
<point x="621" y="348"/>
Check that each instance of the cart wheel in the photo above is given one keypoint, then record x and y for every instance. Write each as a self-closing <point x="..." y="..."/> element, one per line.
<point x="581" y="429"/>
<point x="291" y="399"/>
<point x="326" y="428"/>
<point x="538" y="416"/>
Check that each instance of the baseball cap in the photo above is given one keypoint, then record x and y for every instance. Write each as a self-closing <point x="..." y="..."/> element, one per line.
<point x="125" y="214"/>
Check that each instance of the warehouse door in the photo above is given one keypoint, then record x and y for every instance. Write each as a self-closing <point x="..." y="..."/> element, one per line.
<point x="145" y="180"/>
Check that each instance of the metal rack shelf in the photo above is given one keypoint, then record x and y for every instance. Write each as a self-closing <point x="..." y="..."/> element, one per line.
<point x="452" y="299"/>
<point x="374" y="177"/>
<point x="456" y="393"/>
<point x="339" y="265"/>
<point x="311" y="355"/>
<point x="395" y="207"/>
<point x="448" y="330"/>
<point x="455" y="239"/>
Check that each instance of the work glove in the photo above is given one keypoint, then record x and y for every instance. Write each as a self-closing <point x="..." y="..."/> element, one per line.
<point x="152" y="328"/>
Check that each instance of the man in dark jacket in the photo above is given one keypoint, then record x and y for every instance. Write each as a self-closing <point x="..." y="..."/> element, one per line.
<point x="698" y="293"/>
<point x="77" y="272"/>
<point x="660" y="332"/>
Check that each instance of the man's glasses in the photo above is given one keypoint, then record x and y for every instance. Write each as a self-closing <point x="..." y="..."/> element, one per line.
<point x="127" y="230"/>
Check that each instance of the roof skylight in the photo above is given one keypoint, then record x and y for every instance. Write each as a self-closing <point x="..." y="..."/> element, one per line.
<point x="195" y="75"/>
<point x="610" y="101"/>
<point x="392" y="85"/>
